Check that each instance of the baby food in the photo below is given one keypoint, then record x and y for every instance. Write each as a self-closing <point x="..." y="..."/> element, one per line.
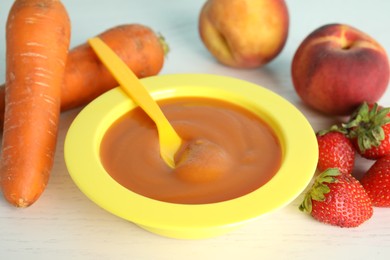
<point x="227" y="152"/>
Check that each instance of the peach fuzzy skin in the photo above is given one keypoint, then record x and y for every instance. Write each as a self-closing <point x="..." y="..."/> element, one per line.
<point x="337" y="67"/>
<point x="244" y="33"/>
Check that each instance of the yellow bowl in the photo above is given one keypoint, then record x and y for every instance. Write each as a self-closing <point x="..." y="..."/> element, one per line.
<point x="297" y="138"/>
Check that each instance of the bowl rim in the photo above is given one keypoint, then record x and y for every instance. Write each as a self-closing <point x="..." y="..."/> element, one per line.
<point x="297" y="138"/>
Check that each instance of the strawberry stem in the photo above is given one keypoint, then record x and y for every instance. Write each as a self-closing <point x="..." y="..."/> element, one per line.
<point x="319" y="189"/>
<point x="366" y="124"/>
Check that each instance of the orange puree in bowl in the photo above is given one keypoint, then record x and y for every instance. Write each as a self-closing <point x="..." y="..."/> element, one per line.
<point x="227" y="152"/>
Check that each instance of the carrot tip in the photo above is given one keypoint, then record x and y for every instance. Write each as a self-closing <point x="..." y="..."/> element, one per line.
<point x="164" y="44"/>
<point x="21" y="203"/>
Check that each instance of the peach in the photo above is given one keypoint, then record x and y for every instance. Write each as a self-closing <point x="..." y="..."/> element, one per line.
<point x="244" y="33"/>
<point x="337" y="67"/>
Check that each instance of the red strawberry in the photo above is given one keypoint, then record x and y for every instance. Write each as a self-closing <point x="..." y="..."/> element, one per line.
<point x="369" y="130"/>
<point x="337" y="199"/>
<point x="335" y="151"/>
<point x="376" y="182"/>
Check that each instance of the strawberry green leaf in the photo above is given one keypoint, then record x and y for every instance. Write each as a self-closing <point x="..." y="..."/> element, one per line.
<point x="332" y="172"/>
<point x="378" y="134"/>
<point x="318" y="193"/>
<point x="306" y="205"/>
<point x="381" y="116"/>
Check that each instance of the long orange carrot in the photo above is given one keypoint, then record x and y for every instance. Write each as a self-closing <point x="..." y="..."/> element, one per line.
<point x="37" y="38"/>
<point x="85" y="76"/>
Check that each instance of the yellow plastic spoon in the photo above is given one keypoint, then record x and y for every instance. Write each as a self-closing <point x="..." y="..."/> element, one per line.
<point x="169" y="140"/>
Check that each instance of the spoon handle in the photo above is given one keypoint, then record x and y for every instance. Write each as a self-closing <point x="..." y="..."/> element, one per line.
<point x="169" y="140"/>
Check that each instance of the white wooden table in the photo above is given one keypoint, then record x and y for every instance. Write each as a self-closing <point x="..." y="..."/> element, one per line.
<point x="65" y="224"/>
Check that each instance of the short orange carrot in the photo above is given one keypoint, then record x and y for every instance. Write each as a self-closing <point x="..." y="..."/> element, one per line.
<point x="37" y="43"/>
<point x="86" y="77"/>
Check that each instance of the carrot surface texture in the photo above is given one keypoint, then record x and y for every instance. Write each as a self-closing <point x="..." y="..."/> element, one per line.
<point x="86" y="77"/>
<point x="37" y="43"/>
